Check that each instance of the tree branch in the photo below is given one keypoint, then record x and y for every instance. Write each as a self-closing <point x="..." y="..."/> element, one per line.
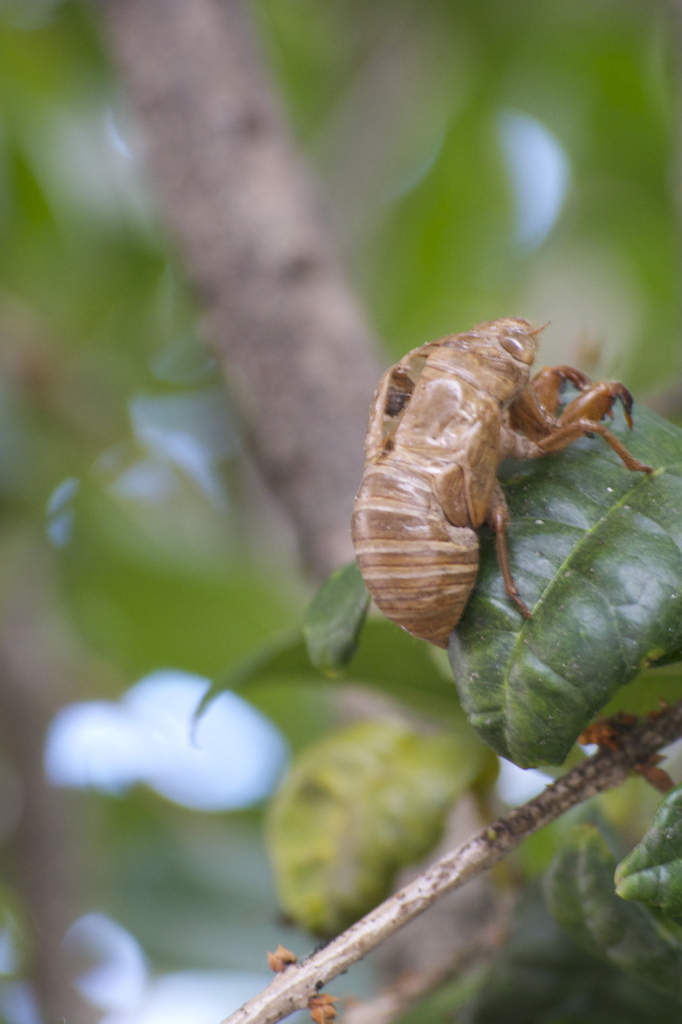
<point x="41" y="855"/>
<point x="297" y="351"/>
<point x="605" y="770"/>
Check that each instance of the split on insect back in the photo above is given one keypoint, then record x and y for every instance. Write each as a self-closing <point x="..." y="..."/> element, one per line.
<point x="441" y="421"/>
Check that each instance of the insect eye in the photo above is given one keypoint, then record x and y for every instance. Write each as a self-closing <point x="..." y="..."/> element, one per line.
<point x="514" y="346"/>
<point x="519" y="345"/>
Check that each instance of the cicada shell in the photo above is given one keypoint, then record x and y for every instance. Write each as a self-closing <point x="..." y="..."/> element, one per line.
<point x="441" y="421"/>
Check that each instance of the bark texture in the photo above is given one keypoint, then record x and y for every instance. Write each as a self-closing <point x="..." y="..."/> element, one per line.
<point x="249" y="227"/>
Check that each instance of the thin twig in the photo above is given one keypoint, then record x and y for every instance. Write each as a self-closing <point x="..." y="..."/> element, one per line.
<point x="606" y="769"/>
<point x="396" y="1000"/>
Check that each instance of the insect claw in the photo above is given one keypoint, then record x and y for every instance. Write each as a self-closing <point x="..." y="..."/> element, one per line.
<point x="621" y="393"/>
<point x="626" y="399"/>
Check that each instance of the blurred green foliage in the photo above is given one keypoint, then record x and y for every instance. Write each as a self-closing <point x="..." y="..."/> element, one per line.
<point x="410" y="113"/>
<point x="581" y="897"/>
<point x="403" y="106"/>
<point x="651" y="873"/>
<point x="541" y="975"/>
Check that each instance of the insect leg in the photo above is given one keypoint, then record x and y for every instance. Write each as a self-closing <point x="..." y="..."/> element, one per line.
<point x="534" y="411"/>
<point x="582" y="416"/>
<point x="498" y="518"/>
<point x="596" y="401"/>
<point x="548" y="384"/>
<point x="569" y="432"/>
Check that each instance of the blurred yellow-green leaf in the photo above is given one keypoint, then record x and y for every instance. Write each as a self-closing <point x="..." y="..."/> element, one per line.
<point x="355" y="807"/>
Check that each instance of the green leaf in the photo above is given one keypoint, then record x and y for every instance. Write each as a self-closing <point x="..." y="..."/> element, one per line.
<point x="648" y="691"/>
<point x="596" y="551"/>
<point x="581" y="897"/>
<point x="652" y="873"/>
<point x="387" y="658"/>
<point x="357" y="806"/>
<point x="540" y="976"/>
<point x="334" y="619"/>
<point x="142" y="597"/>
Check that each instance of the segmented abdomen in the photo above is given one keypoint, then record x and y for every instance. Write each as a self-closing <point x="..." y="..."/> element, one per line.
<point x="419" y="568"/>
